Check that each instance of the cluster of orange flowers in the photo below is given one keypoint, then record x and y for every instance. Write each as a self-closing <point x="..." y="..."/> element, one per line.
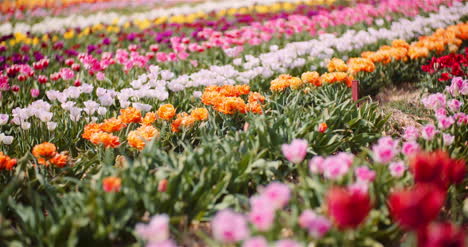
<point x="313" y="78"/>
<point x="101" y="133"/>
<point x="227" y="99"/>
<point x="187" y="120"/>
<point x="46" y="154"/>
<point x="397" y="51"/>
<point x="6" y="162"/>
<point x="451" y="37"/>
<point x="354" y="65"/>
<point x="400" y="50"/>
<point x="138" y="138"/>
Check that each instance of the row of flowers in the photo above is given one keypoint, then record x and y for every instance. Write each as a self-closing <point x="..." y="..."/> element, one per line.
<point x="24" y="10"/>
<point x="170" y="48"/>
<point x="184" y="13"/>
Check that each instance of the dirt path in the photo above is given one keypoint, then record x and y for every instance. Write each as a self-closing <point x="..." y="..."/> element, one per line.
<point x="404" y="105"/>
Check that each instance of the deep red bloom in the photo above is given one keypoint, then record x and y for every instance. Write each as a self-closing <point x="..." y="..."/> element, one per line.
<point x="348" y="207"/>
<point x="416" y="207"/>
<point x="444" y="77"/>
<point x="456" y="70"/>
<point x="77" y="83"/>
<point x="456" y="171"/>
<point x="428" y="68"/>
<point x="441" y="235"/>
<point x="437" y="168"/>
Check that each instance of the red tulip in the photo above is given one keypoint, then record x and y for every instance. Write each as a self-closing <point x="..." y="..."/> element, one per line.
<point x="348" y="207"/>
<point x="69" y="62"/>
<point x="456" y="171"/>
<point x="42" y="79"/>
<point x="162" y="186"/>
<point x="22" y="77"/>
<point x="437" y="168"/>
<point x="416" y="207"/>
<point x="77" y="83"/>
<point x="15" y="88"/>
<point x="322" y="127"/>
<point x="55" y="76"/>
<point x="38" y="66"/>
<point x="444" y="77"/>
<point x="441" y="235"/>
<point x="76" y="67"/>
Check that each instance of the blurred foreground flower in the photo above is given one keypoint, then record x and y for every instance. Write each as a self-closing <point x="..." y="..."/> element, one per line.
<point x="111" y="184"/>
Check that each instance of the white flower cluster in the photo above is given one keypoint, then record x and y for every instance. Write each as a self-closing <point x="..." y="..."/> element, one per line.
<point x="4" y="139"/>
<point x="39" y="109"/>
<point x="59" y="24"/>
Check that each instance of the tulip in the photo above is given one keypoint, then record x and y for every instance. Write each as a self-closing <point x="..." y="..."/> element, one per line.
<point x="437" y="168"/>
<point x="296" y="151"/>
<point x="441" y="235"/>
<point x="229" y="227"/>
<point x="416" y="207"/>
<point x="348" y="208"/>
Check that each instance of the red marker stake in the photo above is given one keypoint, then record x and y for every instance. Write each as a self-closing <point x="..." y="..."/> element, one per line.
<point x="355" y="90"/>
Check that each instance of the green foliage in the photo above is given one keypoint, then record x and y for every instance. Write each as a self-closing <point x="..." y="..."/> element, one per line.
<point x="51" y="208"/>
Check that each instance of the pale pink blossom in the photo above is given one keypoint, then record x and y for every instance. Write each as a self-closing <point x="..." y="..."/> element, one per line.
<point x="100" y="76"/>
<point x="67" y="74"/>
<point x="287" y="243"/>
<point x="397" y="169"/>
<point x="347" y="158"/>
<point x="35" y="92"/>
<point x="364" y="174"/>
<point x="411" y="133"/>
<point x="4" y="119"/>
<point x="278" y="194"/>
<point x="334" y="168"/>
<point x="384" y="151"/>
<point x="448" y="139"/>
<point x="429" y="131"/>
<point x="445" y="122"/>
<point x="359" y="186"/>
<point x="316" y="164"/>
<point x="458" y="86"/>
<point x="316" y="225"/>
<point x="229" y="227"/>
<point x="194" y="63"/>
<point x="455" y="105"/>
<point x="156" y="231"/>
<point x="434" y="101"/>
<point x="262" y="212"/>
<point x="255" y="242"/>
<point x="296" y="151"/>
<point x="461" y="118"/>
<point x="441" y="112"/>
<point x="161" y="57"/>
<point x="388" y="141"/>
<point x="167" y="243"/>
<point x="410" y="148"/>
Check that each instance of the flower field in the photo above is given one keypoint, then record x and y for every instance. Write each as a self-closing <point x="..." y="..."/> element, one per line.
<point x="234" y="123"/>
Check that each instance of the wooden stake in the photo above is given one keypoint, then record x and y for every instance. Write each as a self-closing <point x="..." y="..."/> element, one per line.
<point x="355" y="90"/>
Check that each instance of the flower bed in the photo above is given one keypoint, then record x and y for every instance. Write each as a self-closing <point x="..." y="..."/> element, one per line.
<point x="106" y="145"/>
